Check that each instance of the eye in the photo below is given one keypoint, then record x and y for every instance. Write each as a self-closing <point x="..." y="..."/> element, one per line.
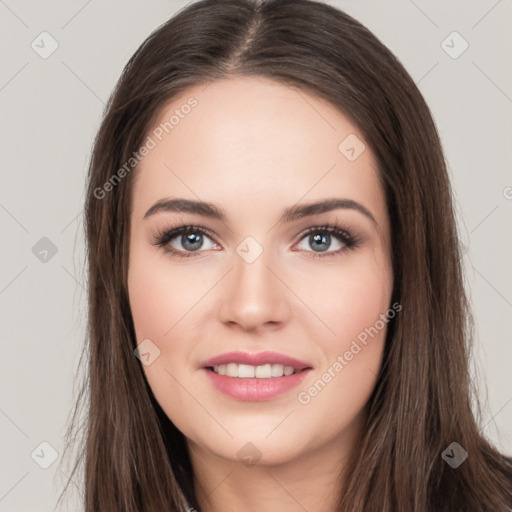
<point x="184" y="241"/>
<point x="326" y="237"/>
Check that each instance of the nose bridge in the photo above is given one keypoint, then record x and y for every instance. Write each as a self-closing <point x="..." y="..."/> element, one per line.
<point x="253" y="280"/>
<point x="255" y="295"/>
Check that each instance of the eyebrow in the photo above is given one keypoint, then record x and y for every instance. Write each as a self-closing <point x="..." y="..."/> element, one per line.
<point x="290" y="214"/>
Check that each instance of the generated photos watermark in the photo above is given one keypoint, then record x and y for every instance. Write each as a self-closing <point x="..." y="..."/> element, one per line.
<point x="305" y="397"/>
<point x="150" y="143"/>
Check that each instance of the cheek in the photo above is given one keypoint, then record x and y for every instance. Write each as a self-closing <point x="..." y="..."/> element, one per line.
<point x="159" y="297"/>
<point x="354" y="305"/>
<point x="162" y="303"/>
<point x="347" y="299"/>
<point x="152" y="304"/>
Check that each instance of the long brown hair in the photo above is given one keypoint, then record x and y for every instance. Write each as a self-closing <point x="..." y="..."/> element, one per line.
<point x="135" y="459"/>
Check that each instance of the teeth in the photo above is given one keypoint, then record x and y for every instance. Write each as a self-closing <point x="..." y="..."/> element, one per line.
<point x="246" y="371"/>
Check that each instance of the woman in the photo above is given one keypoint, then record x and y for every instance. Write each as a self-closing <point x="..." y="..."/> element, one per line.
<point x="277" y="319"/>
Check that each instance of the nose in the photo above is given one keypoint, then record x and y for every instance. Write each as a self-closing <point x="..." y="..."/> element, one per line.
<point x="253" y="296"/>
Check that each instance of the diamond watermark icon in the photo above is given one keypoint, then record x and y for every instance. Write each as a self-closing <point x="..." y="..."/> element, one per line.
<point x="249" y="454"/>
<point x="44" y="455"/>
<point x="44" y="250"/>
<point x="351" y="147"/>
<point x="455" y="455"/>
<point x="44" y="45"/>
<point x="454" y="45"/>
<point x="249" y="249"/>
<point x="146" y="351"/>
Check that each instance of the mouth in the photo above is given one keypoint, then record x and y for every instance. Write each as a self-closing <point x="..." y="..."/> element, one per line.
<point x="254" y="377"/>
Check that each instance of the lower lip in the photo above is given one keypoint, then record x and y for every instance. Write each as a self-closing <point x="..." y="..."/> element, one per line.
<point x="255" y="390"/>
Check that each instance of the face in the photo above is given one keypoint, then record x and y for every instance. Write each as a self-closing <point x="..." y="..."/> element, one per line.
<point x="256" y="272"/>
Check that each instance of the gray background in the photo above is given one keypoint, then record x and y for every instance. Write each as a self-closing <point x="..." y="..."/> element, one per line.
<point x="51" y="109"/>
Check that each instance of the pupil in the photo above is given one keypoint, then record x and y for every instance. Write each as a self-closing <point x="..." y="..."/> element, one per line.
<point x="318" y="239"/>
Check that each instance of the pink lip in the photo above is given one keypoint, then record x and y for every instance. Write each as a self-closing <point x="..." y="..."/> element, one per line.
<point x="255" y="390"/>
<point x="256" y="359"/>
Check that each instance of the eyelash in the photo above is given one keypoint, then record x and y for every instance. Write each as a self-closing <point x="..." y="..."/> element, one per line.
<point x="349" y="241"/>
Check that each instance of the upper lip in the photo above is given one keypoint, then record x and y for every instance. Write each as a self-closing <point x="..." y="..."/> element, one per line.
<point x="256" y="359"/>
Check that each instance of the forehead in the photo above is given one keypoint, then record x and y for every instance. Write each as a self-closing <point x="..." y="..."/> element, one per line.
<point x="256" y="139"/>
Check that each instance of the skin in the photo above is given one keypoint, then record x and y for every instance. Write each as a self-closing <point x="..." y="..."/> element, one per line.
<point x="254" y="147"/>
